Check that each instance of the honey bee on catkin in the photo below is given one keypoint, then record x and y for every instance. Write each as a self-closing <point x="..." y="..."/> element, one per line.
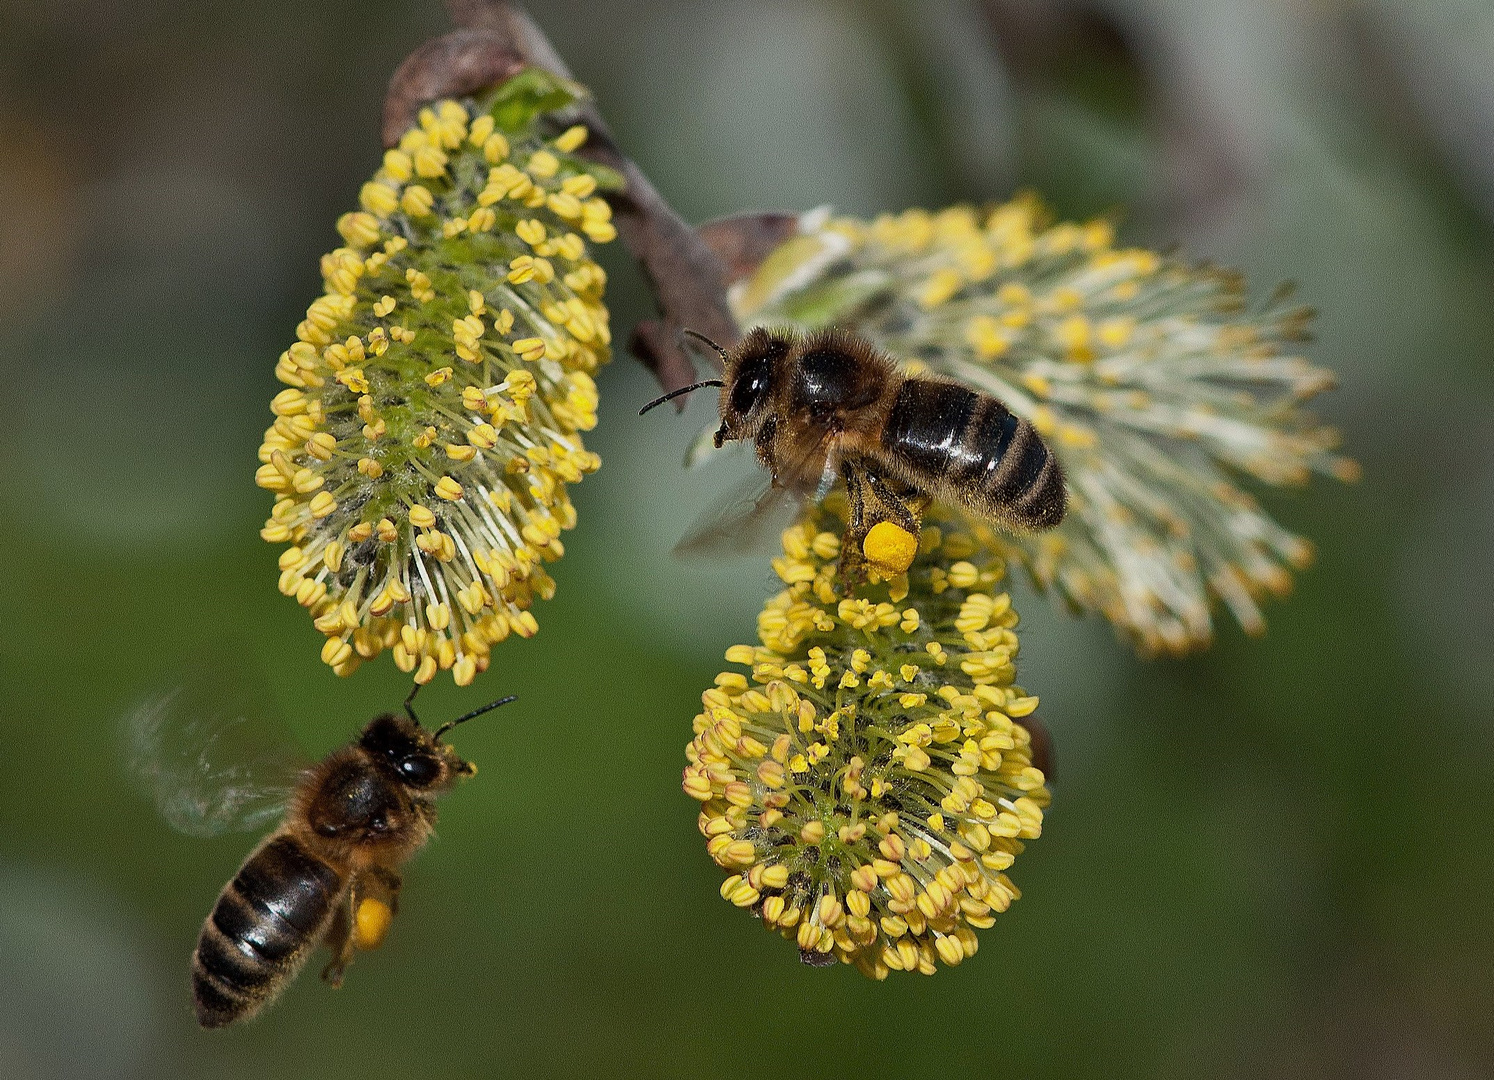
<point x="328" y="873"/>
<point x="830" y="405"/>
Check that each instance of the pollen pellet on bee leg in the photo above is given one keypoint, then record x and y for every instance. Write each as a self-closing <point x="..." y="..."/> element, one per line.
<point x="371" y="922"/>
<point x="889" y="548"/>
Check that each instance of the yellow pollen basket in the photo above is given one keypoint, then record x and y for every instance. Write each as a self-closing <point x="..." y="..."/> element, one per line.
<point x="889" y="548"/>
<point x="371" y="922"/>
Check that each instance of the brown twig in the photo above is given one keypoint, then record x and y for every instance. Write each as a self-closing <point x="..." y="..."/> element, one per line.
<point x="493" y="40"/>
<point x="743" y="241"/>
<point x="452" y="65"/>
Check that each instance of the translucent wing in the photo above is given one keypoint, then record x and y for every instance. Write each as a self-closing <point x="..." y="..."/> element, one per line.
<point x="746" y="519"/>
<point x="749" y="517"/>
<point x="212" y="755"/>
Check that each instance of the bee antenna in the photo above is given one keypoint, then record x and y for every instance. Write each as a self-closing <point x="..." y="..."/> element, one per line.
<point x="409" y="700"/>
<point x="444" y="728"/>
<point x="676" y="393"/>
<point x="698" y="336"/>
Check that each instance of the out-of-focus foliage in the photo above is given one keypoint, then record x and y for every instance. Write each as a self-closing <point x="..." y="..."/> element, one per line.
<point x="1225" y="885"/>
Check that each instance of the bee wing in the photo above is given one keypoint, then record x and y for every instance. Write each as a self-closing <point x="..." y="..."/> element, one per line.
<point x="750" y="515"/>
<point x="747" y="518"/>
<point x="214" y="758"/>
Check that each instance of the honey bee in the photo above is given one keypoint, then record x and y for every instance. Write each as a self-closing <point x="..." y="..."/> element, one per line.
<point x="830" y="405"/>
<point x="328" y="873"/>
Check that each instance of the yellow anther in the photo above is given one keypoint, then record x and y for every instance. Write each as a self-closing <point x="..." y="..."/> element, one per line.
<point x="531" y="231"/>
<point x="565" y="205"/>
<point x="360" y="229"/>
<point x="542" y="165"/>
<point x="530" y="349"/>
<point x="570" y="140"/>
<point x="321" y="445"/>
<point x="335" y="652"/>
<point x="429" y="162"/>
<point x="417" y="201"/>
<point x="494" y="148"/>
<point x="378" y="199"/>
<point x="581" y="185"/>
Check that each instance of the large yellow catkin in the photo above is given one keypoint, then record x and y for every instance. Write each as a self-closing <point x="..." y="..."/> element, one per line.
<point x="436" y="398"/>
<point x="867" y="786"/>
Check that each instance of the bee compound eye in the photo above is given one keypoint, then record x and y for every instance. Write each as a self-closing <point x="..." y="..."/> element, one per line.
<point x="419" y="769"/>
<point x="751" y="384"/>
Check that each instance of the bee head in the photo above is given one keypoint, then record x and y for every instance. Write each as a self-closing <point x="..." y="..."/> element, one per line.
<point x="752" y="372"/>
<point x="411" y="754"/>
<point x="416" y="757"/>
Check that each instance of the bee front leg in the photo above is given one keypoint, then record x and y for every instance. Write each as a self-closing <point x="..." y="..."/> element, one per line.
<point x="762" y="444"/>
<point x="339" y="938"/>
<point x="856" y="520"/>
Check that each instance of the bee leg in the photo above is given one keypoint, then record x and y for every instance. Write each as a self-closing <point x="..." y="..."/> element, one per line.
<point x="906" y="519"/>
<point x="763" y="443"/>
<point x="339" y="938"/>
<point x="852" y="570"/>
<point x="856" y="523"/>
<point x="391" y="883"/>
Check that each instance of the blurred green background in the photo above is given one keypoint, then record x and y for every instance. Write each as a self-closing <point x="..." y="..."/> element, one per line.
<point x="1270" y="860"/>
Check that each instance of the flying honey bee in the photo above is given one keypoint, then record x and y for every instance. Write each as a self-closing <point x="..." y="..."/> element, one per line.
<point x="328" y="873"/>
<point x="830" y="405"/>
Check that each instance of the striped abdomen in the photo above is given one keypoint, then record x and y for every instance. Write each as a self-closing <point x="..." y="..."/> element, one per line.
<point x="972" y="450"/>
<point x="264" y="925"/>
